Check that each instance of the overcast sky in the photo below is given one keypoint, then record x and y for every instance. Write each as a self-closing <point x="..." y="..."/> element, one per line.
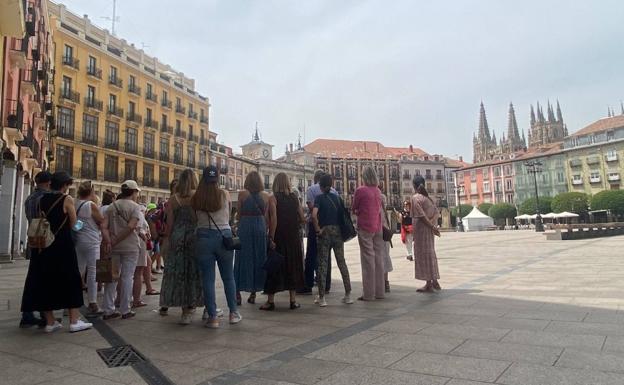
<point x="397" y="71"/>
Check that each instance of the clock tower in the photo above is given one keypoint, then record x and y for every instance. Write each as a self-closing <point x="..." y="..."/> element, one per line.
<point x="257" y="149"/>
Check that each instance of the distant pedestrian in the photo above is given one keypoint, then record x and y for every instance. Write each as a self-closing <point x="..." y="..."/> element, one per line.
<point x="213" y="207"/>
<point x="367" y="206"/>
<point x="407" y="236"/>
<point x="385" y="222"/>
<point x="53" y="281"/>
<point x="425" y="218"/>
<point x="121" y="244"/>
<point x="252" y="230"/>
<point x="181" y="283"/>
<point x="88" y="240"/>
<point x="286" y="215"/>
<point x="328" y="208"/>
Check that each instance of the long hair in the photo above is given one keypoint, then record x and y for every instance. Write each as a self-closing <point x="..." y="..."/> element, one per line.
<point x="253" y="183"/>
<point x="420" y="185"/>
<point x="208" y="197"/>
<point x="369" y="176"/>
<point x="187" y="183"/>
<point x="281" y="184"/>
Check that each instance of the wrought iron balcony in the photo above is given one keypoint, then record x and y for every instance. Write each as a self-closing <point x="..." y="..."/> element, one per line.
<point x="115" y="111"/>
<point x="148" y="182"/>
<point x="180" y="109"/>
<point x="93" y="103"/>
<point x="134" y="89"/>
<point x="148" y="153"/>
<point x="111" y="176"/>
<point x="131" y="148"/>
<point x="180" y="133"/>
<point x="165" y="129"/>
<point x="112" y="145"/>
<point x="151" y="124"/>
<point x="115" y="81"/>
<point x="166" y="103"/>
<point x="89" y="139"/>
<point x="164" y="157"/>
<point x="133" y="117"/>
<point x="193" y="138"/>
<point x="178" y="159"/>
<point x="203" y="119"/>
<point x="151" y="97"/>
<point x="163" y="184"/>
<point x="71" y="62"/>
<point x="192" y="115"/>
<point x="70" y="95"/>
<point x="94" y="72"/>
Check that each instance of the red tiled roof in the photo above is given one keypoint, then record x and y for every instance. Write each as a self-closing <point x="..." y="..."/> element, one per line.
<point x="449" y="162"/>
<point x="601" y="125"/>
<point x="334" y="148"/>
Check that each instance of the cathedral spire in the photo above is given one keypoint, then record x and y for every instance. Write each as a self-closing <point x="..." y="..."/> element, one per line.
<point x="256" y="136"/>
<point x="524" y="142"/>
<point x="532" y="116"/>
<point x="484" y="130"/>
<point x="512" y="126"/>
<point x="540" y="113"/>
<point x="560" y="116"/>
<point x="551" y="113"/>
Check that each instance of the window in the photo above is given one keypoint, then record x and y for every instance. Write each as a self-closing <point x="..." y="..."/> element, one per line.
<point x="190" y="130"/>
<point x="178" y="103"/>
<point x="111" y="170"/>
<point x="148" y="174"/>
<point x="67" y="86"/>
<point x="113" y="74"/>
<point x="190" y="108"/>
<point x="164" y="147"/>
<point x="177" y="153"/>
<point x="90" y="129"/>
<point x="148" y="90"/>
<point x="497" y="171"/>
<point x="594" y="176"/>
<point x="66" y="123"/>
<point x="191" y="156"/>
<point x="178" y="126"/>
<point x="131" y="82"/>
<point x="111" y="139"/>
<point x="131" y="109"/>
<point x="92" y="65"/>
<point x="68" y="55"/>
<point x="163" y="177"/>
<point x="497" y="186"/>
<point x="486" y="187"/>
<point x="473" y="176"/>
<point x="148" y="115"/>
<point x="508" y="185"/>
<point x="507" y="170"/>
<point x="509" y="198"/>
<point x="131" y="140"/>
<point x="91" y="96"/>
<point x="148" y="144"/>
<point x="202" y="158"/>
<point x="130" y="170"/>
<point x="64" y="158"/>
<point x="560" y="177"/>
<point x="89" y="164"/>
<point x="610" y="135"/>
<point x="112" y="103"/>
<point x="267" y="185"/>
<point x="165" y="97"/>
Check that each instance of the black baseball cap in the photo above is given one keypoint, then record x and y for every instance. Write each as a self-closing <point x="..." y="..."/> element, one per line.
<point x="211" y="174"/>
<point x="43" y="177"/>
<point x="61" y="178"/>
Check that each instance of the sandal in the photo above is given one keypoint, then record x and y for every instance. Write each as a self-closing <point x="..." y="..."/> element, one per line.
<point x="252" y="298"/>
<point x="269" y="306"/>
<point x="294" y="305"/>
<point x="152" y="292"/>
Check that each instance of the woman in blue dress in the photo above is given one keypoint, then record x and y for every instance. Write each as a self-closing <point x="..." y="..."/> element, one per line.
<point x="252" y="231"/>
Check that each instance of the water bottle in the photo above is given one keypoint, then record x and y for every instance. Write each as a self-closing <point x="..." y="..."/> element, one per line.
<point x="78" y="225"/>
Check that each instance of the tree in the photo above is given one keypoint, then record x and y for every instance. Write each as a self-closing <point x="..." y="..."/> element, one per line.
<point x="502" y="211"/>
<point x="463" y="211"/>
<point x="528" y="206"/>
<point x="609" y="200"/>
<point x="485" y="207"/>
<point x="574" y="202"/>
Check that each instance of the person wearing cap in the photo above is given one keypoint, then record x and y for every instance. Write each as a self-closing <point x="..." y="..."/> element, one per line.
<point x="31" y="206"/>
<point x="121" y="243"/>
<point x="212" y="205"/>
<point x="181" y="282"/>
<point x="53" y="281"/>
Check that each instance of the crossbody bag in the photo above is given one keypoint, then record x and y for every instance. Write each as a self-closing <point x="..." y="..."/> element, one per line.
<point x="230" y="243"/>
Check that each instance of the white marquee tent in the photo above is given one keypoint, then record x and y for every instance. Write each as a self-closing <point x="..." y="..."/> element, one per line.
<point x="476" y="221"/>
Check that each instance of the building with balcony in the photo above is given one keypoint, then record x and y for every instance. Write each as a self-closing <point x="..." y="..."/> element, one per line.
<point x="593" y="156"/>
<point x="26" y="71"/>
<point x="115" y="118"/>
<point x="551" y="176"/>
<point x="488" y="182"/>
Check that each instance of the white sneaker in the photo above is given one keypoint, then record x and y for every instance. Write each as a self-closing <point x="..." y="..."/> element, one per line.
<point x="322" y="302"/>
<point x="54" y="327"/>
<point x="316" y="300"/>
<point x="186" y="318"/>
<point x="347" y="299"/>
<point x="235" y="317"/>
<point x="205" y="316"/>
<point x="79" y="326"/>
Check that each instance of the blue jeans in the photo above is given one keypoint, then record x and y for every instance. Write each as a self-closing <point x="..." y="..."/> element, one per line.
<point x="209" y="249"/>
<point x="311" y="261"/>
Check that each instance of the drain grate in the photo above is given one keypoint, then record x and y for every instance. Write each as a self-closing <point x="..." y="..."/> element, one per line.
<point x="123" y="355"/>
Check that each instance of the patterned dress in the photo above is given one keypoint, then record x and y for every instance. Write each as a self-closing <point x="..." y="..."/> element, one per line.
<point x="249" y="270"/>
<point x="425" y="259"/>
<point x="181" y="284"/>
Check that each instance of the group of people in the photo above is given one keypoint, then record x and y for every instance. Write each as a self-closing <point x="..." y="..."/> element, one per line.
<point x="257" y="249"/>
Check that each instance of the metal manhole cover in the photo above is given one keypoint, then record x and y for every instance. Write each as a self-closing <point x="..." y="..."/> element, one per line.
<point x="123" y="355"/>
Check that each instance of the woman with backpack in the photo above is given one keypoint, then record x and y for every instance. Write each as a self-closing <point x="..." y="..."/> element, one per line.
<point x="53" y="281"/>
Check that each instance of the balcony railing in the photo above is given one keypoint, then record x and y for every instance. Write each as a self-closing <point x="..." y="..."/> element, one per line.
<point x="166" y="103"/>
<point x="115" y="81"/>
<point x="203" y="119"/>
<point x="90" y="139"/>
<point x="407" y="177"/>
<point x="192" y="115"/>
<point x="87" y="173"/>
<point x="613" y="176"/>
<point x="115" y="111"/>
<point x="164" y="157"/>
<point x="166" y="129"/>
<point x="178" y="159"/>
<point x="95" y="72"/>
<point x="163" y="184"/>
<point x="151" y="124"/>
<point x="190" y="163"/>
<point x="611" y="157"/>
<point x="180" y="133"/>
<point x="223" y="170"/>
<point x="71" y="62"/>
<point x="151" y="97"/>
<point x="134" y="118"/>
<point x="439" y="177"/>
<point x="594" y="179"/>
<point x="193" y="138"/>
<point x="575" y="163"/>
<point x="394" y="175"/>
<point x="148" y="153"/>
<point x="112" y="145"/>
<point x="93" y="103"/>
<point x="134" y="89"/>
<point x="180" y="109"/>
<point x="70" y="95"/>
<point x="428" y="176"/>
<point x="148" y="182"/>
<point x="111" y="176"/>
<point x="131" y="148"/>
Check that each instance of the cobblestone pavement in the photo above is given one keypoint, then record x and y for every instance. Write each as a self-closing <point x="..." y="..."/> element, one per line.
<point x="515" y="310"/>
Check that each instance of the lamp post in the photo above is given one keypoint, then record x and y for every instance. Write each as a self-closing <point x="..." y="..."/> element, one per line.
<point x="535" y="167"/>
<point x="458" y="189"/>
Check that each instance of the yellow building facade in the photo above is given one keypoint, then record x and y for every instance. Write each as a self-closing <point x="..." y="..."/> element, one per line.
<point x="121" y="114"/>
<point x="595" y="156"/>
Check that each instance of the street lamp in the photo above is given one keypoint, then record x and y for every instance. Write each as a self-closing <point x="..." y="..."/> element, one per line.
<point x="535" y="167"/>
<point x="458" y="189"/>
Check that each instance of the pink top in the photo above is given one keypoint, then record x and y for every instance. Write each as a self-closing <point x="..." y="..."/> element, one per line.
<point x="367" y="206"/>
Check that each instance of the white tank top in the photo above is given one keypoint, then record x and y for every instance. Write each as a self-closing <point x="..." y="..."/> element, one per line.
<point x="90" y="232"/>
<point x="221" y="217"/>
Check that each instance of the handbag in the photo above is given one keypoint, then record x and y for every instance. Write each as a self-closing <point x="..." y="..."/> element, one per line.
<point x="347" y="230"/>
<point x="386" y="233"/>
<point x="40" y="235"/>
<point x="106" y="270"/>
<point x="273" y="262"/>
<point x="229" y="243"/>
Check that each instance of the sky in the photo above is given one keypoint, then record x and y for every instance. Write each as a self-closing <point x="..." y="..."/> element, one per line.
<point x="399" y="72"/>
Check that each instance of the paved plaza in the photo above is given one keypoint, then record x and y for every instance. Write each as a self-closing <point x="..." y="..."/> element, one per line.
<point x="516" y="310"/>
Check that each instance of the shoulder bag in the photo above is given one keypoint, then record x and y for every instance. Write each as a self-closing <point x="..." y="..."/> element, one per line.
<point x="40" y="235"/>
<point x="347" y="230"/>
<point x="229" y="243"/>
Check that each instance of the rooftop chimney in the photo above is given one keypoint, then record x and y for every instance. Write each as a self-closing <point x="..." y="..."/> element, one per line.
<point x="291" y="147"/>
<point x="461" y="158"/>
<point x="411" y="148"/>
